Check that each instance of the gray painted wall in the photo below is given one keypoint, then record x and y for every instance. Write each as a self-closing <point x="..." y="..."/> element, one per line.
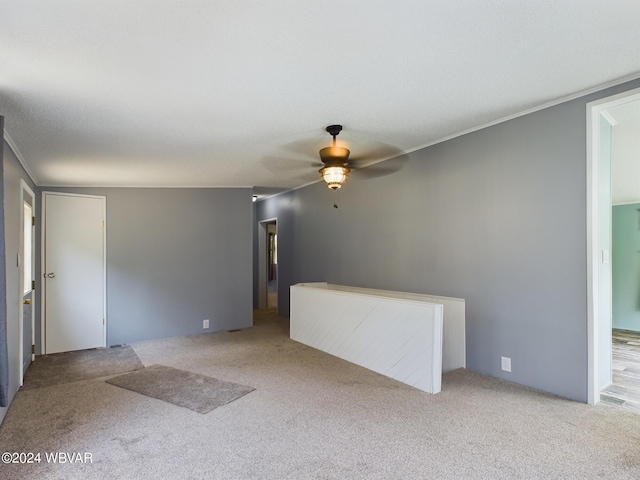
<point x="497" y="217"/>
<point x="626" y="267"/>
<point x="13" y="172"/>
<point x="174" y="258"/>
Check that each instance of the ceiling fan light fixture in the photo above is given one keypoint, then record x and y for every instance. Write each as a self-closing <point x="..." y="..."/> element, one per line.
<point x="334" y="154"/>
<point x="335" y="175"/>
<point x="335" y="158"/>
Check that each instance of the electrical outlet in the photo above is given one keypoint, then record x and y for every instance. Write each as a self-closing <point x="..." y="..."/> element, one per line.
<point x="205" y="324"/>
<point x="506" y="364"/>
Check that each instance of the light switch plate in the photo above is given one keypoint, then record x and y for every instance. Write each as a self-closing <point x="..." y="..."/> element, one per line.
<point x="505" y="363"/>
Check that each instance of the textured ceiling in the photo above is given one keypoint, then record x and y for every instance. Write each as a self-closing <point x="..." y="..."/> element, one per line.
<point x="237" y="93"/>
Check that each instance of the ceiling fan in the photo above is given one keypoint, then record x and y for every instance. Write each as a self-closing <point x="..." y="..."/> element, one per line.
<point x="336" y="159"/>
<point x="374" y="159"/>
<point x="338" y="165"/>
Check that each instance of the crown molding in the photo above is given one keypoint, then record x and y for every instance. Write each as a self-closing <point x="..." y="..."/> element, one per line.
<point x="16" y="151"/>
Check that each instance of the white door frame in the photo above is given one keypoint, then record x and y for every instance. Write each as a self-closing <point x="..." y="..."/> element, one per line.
<point x="262" y="260"/>
<point x="25" y="191"/>
<point x="594" y="109"/>
<point x="43" y="290"/>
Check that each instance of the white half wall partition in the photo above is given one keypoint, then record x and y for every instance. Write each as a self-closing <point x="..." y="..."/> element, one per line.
<point x="396" y="334"/>
<point x="454" y="349"/>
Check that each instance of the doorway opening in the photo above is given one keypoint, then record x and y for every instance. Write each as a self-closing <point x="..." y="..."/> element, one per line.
<point x="624" y="388"/>
<point x="600" y="194"/>
<point x="26" y="275"/>
<point x="268" y="264"/>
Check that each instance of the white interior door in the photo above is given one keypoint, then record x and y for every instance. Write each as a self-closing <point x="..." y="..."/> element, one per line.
<point x="74" y="272"/>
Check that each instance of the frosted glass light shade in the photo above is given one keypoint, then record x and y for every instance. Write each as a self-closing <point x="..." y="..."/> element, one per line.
<point x="335" y="176"/>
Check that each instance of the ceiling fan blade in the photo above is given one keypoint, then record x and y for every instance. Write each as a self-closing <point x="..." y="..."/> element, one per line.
<point x="375" y="152"/>
<point x="280" y="164"/>
<point x="382" y="168"/>
<point x="306" y="149"/>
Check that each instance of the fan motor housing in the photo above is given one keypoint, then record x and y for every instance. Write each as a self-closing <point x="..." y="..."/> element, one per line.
<point x="334" y="155"/>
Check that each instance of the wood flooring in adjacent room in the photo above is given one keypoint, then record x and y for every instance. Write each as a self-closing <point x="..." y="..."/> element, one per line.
<point x="625" y="389"/>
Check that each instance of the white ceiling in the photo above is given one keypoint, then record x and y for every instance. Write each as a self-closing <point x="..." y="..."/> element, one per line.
<point x="237" y="93"/>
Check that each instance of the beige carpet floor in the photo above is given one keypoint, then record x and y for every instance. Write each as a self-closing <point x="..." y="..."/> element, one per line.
<point x="313" y="416"/>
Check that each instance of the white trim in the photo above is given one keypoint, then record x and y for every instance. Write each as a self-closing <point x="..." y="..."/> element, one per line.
<point x="18" y="154"/>
<point x="594" y="110"/>
<point x="24" y="188"/>
<point x="607" y="116"/>
<point x="43" y="330"/>
<point x="104" y="270"/>
<point x="544" y="106"/>
<point x="289" y="190"/>
<point x="68" y="194"/>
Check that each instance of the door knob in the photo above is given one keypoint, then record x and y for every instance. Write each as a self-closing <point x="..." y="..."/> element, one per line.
<point x="27" y="301"/>
<point x="51" y="275"/>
